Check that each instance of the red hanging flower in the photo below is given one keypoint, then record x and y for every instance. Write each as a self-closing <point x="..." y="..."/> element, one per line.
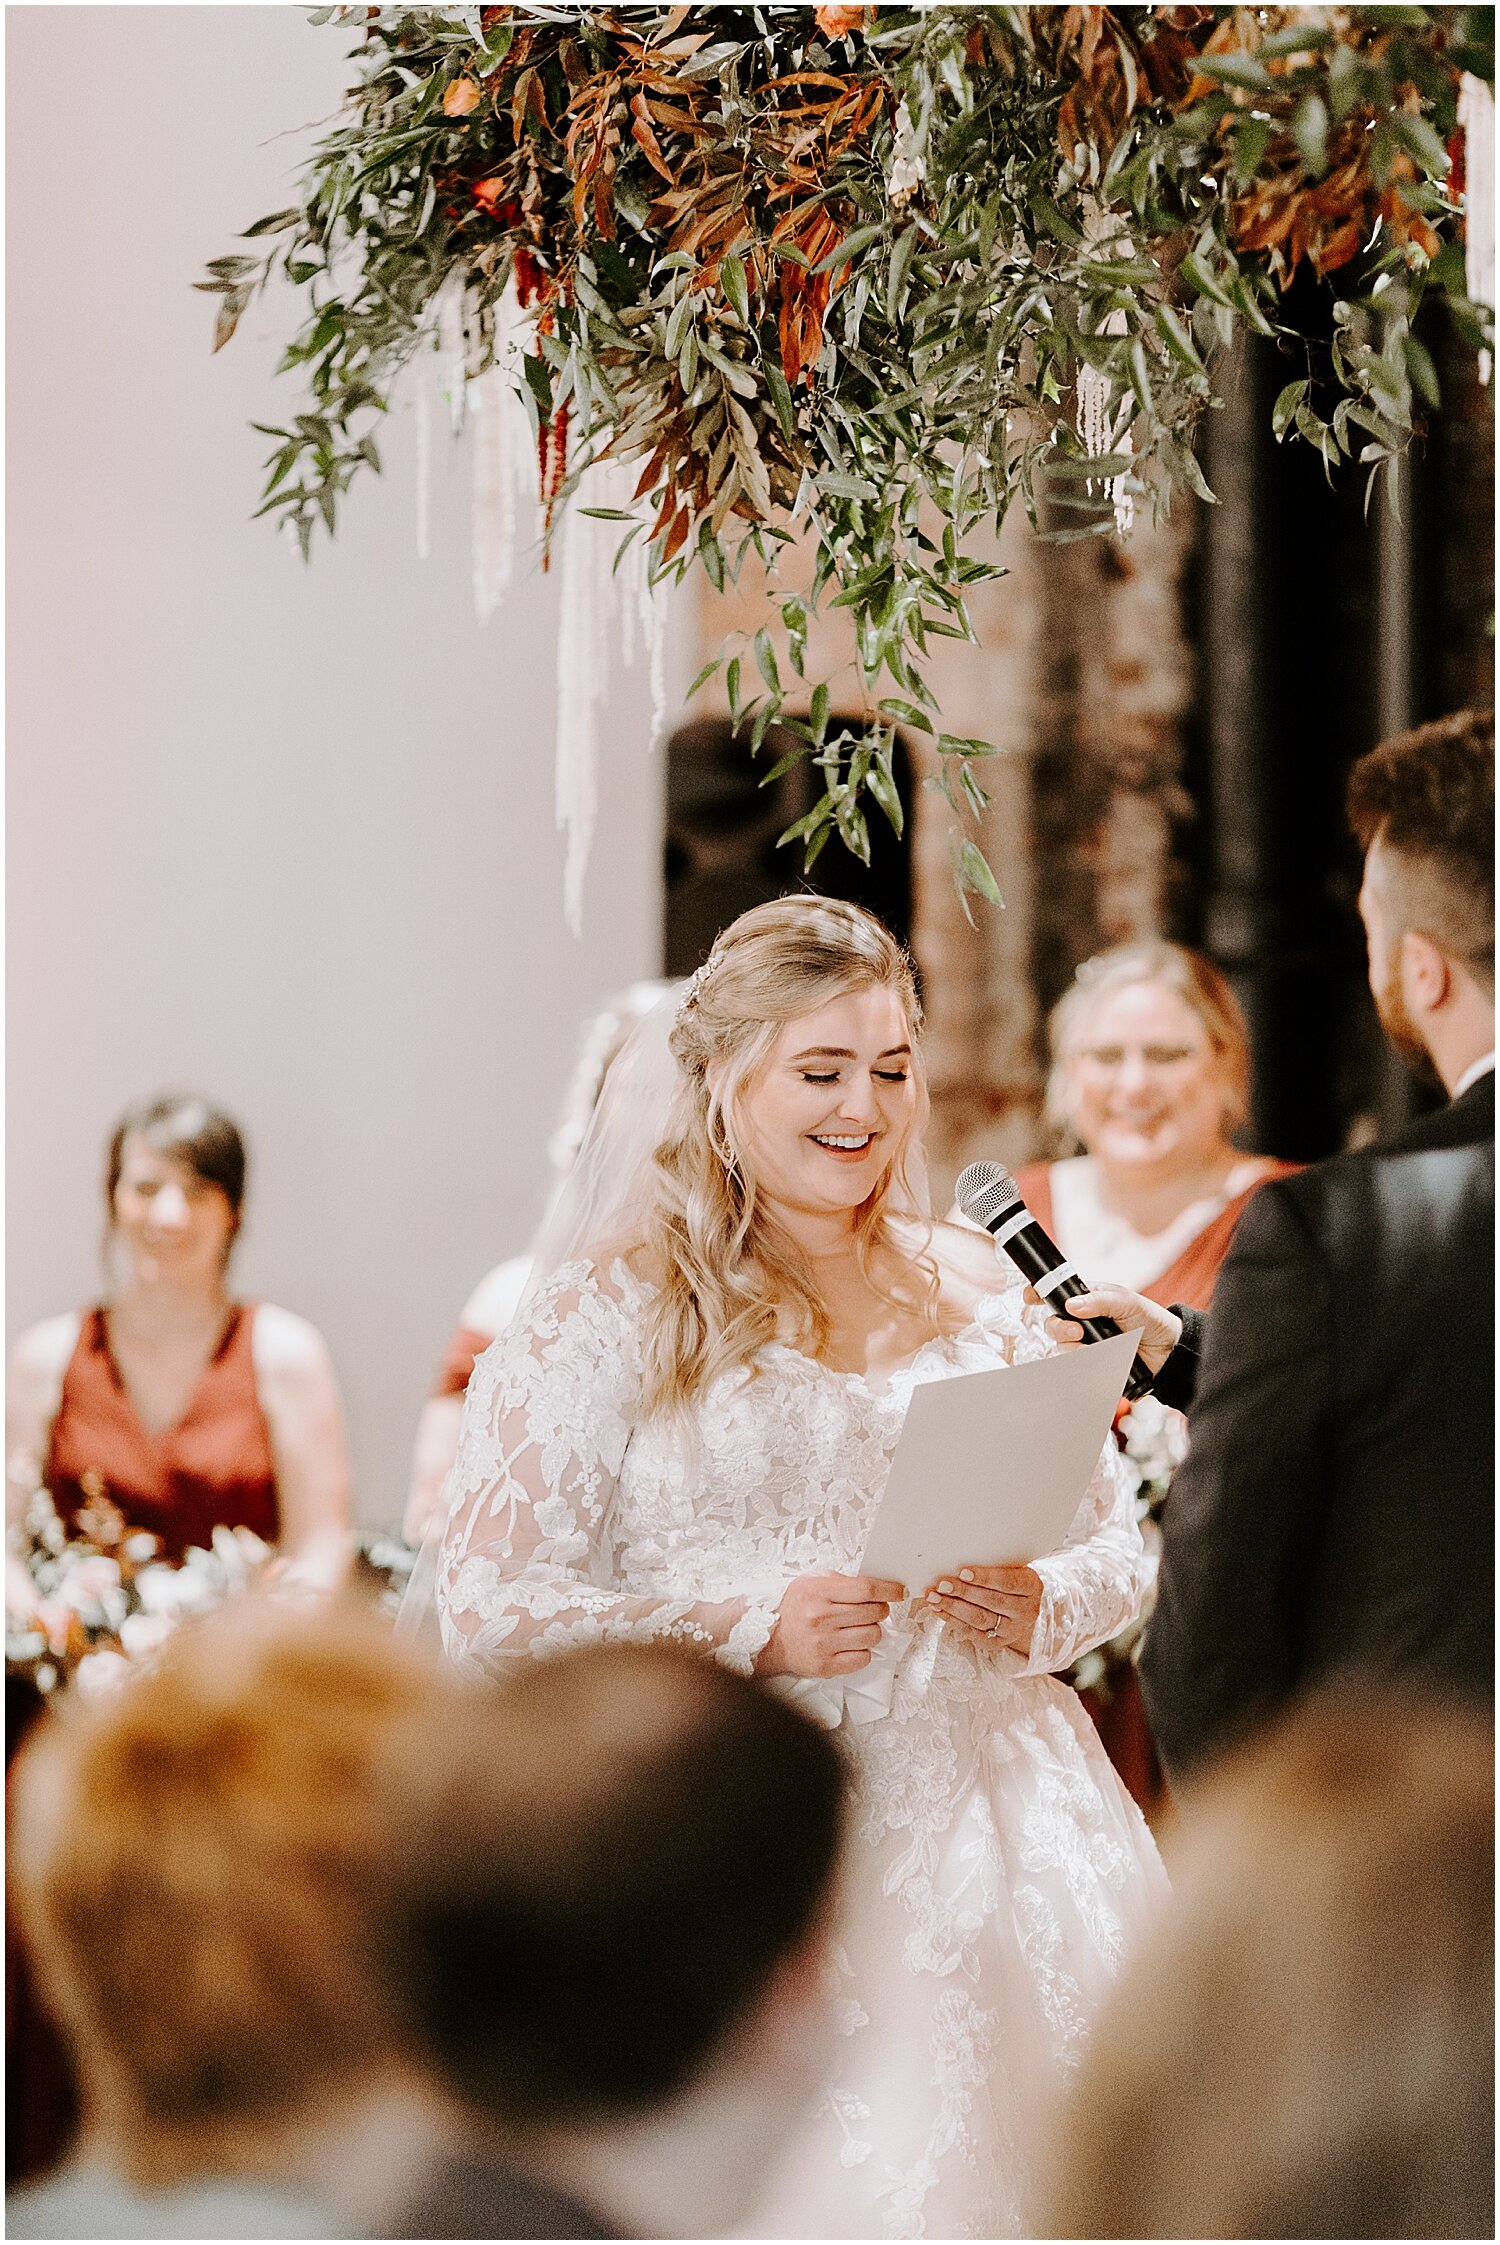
<point x="552" y="463"/>
<point x="531" y="281"/>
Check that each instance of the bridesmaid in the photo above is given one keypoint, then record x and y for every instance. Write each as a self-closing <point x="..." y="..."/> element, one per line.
<point x="170" y="1401"/>
<point x="168" y="1406"/>
<point x="1150" y="1078"/>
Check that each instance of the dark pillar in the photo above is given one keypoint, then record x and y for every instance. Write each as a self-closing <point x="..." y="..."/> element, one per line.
<point x="1286" y="609"/>
<point x="1320" y="631"/>
<point x="721" y="842"/>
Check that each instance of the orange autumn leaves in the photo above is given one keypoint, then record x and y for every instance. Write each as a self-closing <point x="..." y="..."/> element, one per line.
<point x="1290" y="210"/>
<point x="837" y="23"/>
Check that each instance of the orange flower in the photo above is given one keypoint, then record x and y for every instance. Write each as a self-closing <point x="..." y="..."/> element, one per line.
<point x="837" y="23"/>
<point x="462" y="98"/>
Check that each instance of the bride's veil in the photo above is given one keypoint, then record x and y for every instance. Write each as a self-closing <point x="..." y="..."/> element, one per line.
<point x="605" y="1195"/>
<point x="601" y="1201"/>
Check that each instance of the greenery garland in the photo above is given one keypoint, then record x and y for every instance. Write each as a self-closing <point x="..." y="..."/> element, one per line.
<point x="848" y="273"/>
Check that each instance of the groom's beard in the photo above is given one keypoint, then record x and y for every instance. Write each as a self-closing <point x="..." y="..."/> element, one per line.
<point x="1402" y="1031"/>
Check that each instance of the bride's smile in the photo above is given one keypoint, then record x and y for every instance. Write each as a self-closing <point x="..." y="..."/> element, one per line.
<point x="832" y="1106"/>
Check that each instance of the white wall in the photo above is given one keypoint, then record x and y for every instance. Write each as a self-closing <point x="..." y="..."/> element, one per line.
<point x="280" y="833"/>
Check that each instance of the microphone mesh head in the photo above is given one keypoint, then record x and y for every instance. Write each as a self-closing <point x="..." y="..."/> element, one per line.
<point x="985" y="1191"/>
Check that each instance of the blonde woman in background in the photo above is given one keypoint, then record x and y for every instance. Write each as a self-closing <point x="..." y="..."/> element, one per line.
<point x="1151" y="1078"/>
<point x="686" y="1436"/>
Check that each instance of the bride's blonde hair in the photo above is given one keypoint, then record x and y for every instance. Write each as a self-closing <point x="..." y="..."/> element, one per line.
<point x="725" y="1277"/>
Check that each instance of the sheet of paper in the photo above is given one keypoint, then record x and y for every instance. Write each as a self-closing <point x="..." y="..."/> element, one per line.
<point x="991" y="1466"/>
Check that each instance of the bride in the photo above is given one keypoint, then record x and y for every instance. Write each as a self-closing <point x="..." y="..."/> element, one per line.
<point x="685" y="1435"/>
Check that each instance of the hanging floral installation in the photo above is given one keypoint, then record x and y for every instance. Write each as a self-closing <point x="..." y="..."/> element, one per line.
<point x="862" y="279"/>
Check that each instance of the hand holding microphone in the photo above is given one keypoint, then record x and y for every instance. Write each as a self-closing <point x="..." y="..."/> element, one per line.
<point x="1159" y="1330"/>
<point x="990" y="1197"/>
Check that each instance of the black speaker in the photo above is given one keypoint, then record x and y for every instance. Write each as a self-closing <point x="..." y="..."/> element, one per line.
<point x="722" y="825"/>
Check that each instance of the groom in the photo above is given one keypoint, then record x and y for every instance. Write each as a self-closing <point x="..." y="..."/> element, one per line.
<point x="1335" y="1516"/>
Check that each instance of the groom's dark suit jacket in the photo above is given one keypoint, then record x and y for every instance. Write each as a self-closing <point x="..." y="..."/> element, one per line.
<point x="1336" y="1512"/>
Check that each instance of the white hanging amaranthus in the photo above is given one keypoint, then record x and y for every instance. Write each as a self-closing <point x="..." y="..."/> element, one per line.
<point x="595" y="596"/>
<point x="446" y="338"/>
<point x="1101" y="430"/>
<point x="504" y="460"/>
<point x="1476" y="116"/>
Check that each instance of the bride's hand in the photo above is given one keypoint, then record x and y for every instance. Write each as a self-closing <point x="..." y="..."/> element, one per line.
<point x="828" y="1625"/>
<point x="997" y="1605"/>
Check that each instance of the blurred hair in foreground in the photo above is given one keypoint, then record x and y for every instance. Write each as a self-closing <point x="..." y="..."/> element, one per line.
<point x="585" y="1931"/>
<point x="194" y="1855"/>
<point x="295" y="1861"/>
<point x="1307" y="2048"/>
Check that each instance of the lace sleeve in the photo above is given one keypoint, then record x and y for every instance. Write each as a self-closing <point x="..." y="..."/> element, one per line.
<point x="526" y="1564"/>
<point x="1097" y="1582"/>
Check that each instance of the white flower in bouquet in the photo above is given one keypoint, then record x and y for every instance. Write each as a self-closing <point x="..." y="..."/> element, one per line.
<point x="164" y="1589"/>
<point x="105" y="1595"/>
<point x="239" y="1553"/>
<point x="100" y="1672"/>
<point x="143" y="1634"/>
<point x="90" y="1579"/>
<point x="1155" y="1443"/>
<point x="89" y="1585"/>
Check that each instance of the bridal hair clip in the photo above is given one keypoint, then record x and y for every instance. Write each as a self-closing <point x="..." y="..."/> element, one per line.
<point x="701" y="981"/>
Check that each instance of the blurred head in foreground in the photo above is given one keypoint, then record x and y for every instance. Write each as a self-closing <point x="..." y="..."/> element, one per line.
<point x="610" y="1945"/>
<point x="194" y="1854"/>
<point x="312" y="1911"/>
<point x="1307" y="2050"/>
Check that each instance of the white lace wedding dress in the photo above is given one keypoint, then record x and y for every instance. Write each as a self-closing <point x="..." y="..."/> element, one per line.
<point x="1000" y="1869"/>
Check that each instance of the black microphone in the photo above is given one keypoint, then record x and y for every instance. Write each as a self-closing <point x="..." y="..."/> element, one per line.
<point x="989" y="1196"/>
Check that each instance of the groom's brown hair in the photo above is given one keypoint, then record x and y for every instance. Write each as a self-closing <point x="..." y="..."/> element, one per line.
<point x="1428" y="798"/>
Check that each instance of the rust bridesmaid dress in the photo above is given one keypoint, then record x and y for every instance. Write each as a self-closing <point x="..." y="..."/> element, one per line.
<point x="213" y="1468"/>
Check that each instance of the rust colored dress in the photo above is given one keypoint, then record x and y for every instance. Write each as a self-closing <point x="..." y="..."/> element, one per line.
<point x="465" y="1344"/>
<point x="1189" y="1279"/>
<point x="213" y="1468"/>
